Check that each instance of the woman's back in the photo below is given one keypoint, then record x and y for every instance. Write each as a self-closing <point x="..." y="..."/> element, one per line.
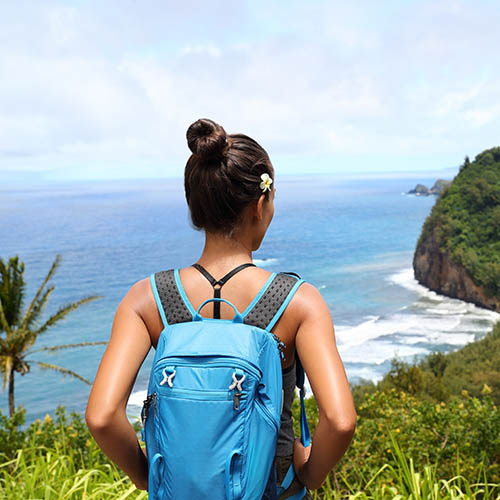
<point x="228" y="186"/>
<point x="240" y="290"/>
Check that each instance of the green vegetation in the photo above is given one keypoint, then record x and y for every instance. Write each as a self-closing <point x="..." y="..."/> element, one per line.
<point x="426" y="431"/>
<point x="19" y="332"/>
<point x="57" y="459"/>
<point x="403" y="448"/>
<point x="466" y="220"/>
<point x="459" y="438"/>
<point x="442" y="412"/>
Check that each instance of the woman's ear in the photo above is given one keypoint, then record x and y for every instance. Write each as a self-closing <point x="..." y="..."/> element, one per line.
<point x="254" y="211"/>
<point x="259" y="207"/>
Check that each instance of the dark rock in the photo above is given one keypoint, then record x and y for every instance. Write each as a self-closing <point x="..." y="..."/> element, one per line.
<point x="435" y="270"/>
<point x="419" y="190"/>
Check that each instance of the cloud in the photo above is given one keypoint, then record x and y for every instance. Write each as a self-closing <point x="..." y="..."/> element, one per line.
<point x="204" y="50"/>
<point x="93" y="89"/>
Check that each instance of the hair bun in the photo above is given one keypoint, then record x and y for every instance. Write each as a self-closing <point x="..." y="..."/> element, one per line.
<point x="206" y="138"/>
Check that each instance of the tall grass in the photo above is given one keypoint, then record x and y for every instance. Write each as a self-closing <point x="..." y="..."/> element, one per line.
<point x="48" y="474"/>
<point x="57" y="473"/>
<point x="57" y="459"/>
<point x="403" y="482"/>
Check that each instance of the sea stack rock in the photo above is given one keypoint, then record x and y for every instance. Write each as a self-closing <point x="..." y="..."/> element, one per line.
<point x="458" y="252"/>
<point x="421" y="190"/>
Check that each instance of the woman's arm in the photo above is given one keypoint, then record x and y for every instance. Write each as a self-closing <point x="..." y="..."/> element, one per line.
<point x="106" y="409"/>
<point x="315" y="344"/>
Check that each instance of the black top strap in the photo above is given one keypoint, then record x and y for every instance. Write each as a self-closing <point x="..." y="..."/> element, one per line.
<point x="205" y="273"/>
<point x="218" y="284"/>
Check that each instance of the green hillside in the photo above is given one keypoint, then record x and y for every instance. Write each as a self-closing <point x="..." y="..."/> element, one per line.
<point x="466" y="220"/>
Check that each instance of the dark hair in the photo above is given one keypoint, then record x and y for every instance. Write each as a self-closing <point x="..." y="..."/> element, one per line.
<point x="222" y="176"/>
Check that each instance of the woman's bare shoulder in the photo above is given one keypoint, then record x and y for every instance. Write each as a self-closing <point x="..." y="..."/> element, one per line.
<point x="308" y="302"/>
<point x="139" y="294"/>
<point x="140" y="299"/>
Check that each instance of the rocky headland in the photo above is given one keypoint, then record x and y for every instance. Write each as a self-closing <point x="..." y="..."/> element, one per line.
<point x="458" y="252"/>
<point x="422" y="190"/>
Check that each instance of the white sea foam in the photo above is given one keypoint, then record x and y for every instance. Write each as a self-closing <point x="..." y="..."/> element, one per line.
<point x="432" y="320"/>
<point x="415" y="339"/>
<point x="349" y="336"/>
<point x="366" y="373"/>
<point x="136" y="399"/>
<point x="265" y="262"/>
<point x="435" y="310"/>
<point x="377" y="353"/>
<point x="405" y="278"/>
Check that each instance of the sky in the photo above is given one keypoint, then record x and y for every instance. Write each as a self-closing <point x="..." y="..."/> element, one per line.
<point x="107" y="90"/>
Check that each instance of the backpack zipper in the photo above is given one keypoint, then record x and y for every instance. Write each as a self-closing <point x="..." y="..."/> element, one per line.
<point x="230" y="363"/>
<point x="145" y="408"/>
<point x="281" y="345"/>
<point x="236" y="400"/>
<point x="200" y="394"/>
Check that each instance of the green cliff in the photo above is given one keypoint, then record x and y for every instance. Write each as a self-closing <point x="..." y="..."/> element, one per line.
<point x="458" y="252"/>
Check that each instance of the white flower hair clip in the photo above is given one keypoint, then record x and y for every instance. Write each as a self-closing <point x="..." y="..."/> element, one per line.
<point x="265" y="185"/>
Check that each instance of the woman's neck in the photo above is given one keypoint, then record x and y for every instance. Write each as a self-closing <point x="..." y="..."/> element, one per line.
<point x="223" y="253"/>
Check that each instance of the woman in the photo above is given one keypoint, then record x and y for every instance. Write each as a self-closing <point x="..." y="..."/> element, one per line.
<point x="230" y="193"/>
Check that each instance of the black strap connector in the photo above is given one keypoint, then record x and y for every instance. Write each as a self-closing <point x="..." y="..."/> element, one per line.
<point x="218" y="284"/>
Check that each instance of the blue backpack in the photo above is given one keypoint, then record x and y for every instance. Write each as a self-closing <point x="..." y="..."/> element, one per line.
<point x="212" y="415"/>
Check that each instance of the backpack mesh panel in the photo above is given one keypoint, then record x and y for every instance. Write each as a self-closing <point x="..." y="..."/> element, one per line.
<point x="175" y="308"/>
<point x="260" y="315"/>
<point x="267" y="306"/>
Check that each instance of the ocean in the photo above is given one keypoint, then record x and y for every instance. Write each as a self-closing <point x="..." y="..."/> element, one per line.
<point x="352" y="238"/>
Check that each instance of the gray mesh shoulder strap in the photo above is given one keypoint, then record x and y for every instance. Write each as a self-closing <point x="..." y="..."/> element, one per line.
<point x="266" y="312"/>
<point x="170" y="299"/>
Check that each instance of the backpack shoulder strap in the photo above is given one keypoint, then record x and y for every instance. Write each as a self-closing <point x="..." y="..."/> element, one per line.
<point x="170" y="303"/>
<point x="272" y="303"/>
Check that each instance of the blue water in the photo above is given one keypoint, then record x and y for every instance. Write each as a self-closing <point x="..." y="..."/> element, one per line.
<point x="353" y="239"/>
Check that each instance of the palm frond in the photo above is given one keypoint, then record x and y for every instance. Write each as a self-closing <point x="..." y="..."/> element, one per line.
<point x="60" y="314"/>
<point x="40" y="292"/>
<point x="31" y="315"/>
<point x="12" y="288"/>
<point x="60" y="369"/>
<point x="3" y="347"/>
<point x="67" y="346"/>
<point x="4" y="324"/>
<point x="19" y="341"/>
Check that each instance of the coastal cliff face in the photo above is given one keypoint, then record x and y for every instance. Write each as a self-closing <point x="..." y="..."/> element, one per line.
<point x="458" y="252"/>
<point x="436" y="270"/>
